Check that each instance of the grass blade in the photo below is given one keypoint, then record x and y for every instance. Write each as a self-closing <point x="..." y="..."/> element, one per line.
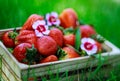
<point x="77" y="38"/>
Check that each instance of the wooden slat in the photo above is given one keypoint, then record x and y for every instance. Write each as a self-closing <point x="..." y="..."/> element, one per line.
<point x="9" y="72"/>
<point x="4" y="77"/>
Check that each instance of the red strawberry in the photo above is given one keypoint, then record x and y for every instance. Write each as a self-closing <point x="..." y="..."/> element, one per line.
<point x="26" y="36"/>
<point x="28" y="24"/>
<point x="19" y="51"/>
<point x="99" y="46"/>
<point x="8" y="38"/>
<point x="46" y="45"/>
<point x="50" y="58"/>
<point x="68" y="18"/>
<point x="57" y="35"/>
<point x="70" y="53"/>
<point x="87" y="31"/>
<point x="69" y="39"/>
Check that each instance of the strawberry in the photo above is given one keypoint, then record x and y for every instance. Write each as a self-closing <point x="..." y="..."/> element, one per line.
<point x="50" y="58"/>
<point x="68" y="18"/>
<point x="8" y="38"/>
<point x="99" y="46"/>
<point x="46" y="45"/>
<point x="70" y="53"/>
<point x="28" y="24"/>
<point x="25" y="53"/>
<point x="26" y="36"/>
<point x="87" y="31"/>
<point x="69" y="39"/>
<point x="57" y="35"/>
<point x="20" y="51"/>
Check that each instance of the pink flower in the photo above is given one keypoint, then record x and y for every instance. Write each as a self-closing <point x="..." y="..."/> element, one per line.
<point x="52" y="19"/>
<point x="89" y="45"/>
<point x="40" y="28"/>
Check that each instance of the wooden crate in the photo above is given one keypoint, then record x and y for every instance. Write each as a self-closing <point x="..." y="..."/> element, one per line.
<point x="77" y="75"/>
<point x="20" y="70"/>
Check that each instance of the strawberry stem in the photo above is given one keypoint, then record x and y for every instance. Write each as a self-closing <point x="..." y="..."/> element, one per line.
<point x="60" y="53"/>
<point x="31" y="54"/>
<point x="68" y="31"/>
<point x="13" y="34"/>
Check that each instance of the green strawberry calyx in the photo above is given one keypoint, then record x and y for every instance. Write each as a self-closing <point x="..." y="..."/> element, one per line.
<point x="31" y="54"/>
<point x="13" y="34"/>
<point x="61" y="53"/>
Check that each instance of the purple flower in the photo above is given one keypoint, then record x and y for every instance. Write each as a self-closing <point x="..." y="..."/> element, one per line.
<point x="40" y="28"/>
<point x="52" y="19"/>
<point x="89" y="45"/>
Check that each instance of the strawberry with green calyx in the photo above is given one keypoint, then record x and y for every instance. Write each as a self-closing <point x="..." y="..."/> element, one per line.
<point x="8" y="38"/>
<point x="70" y="53"/>
<point x="69" y="36"/>
<point x="57" y="35"/>
<point x="60" y="53"/>
<point x="19" y="51"/>
<point x="50" y="58"/>
<point x="25" y="53"/>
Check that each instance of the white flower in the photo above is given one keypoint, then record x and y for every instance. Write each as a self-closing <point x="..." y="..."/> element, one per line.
<point x="52" y="19"/>
<point x="40" y="28"/>
<point x="89" y="45"/>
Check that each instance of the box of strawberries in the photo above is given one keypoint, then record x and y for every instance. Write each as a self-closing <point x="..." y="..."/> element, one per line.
<point x="54" y="42"/>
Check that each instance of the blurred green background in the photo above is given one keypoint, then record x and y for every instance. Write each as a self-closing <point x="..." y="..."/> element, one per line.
<point x="103" y="14"/>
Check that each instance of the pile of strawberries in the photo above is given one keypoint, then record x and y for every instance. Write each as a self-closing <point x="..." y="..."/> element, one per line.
<point x="52" y="38"/>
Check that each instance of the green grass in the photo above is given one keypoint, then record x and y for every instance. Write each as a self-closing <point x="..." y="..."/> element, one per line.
<point x="103" y="14"/>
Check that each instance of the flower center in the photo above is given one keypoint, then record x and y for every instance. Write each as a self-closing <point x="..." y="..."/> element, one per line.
<point x="52" y="19"/>
<point x="88" y="46"/>
<point x="41" y="28"/>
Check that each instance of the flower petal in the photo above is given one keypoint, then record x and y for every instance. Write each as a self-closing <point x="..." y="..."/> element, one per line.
<point x="46" y="32"/>
<point x="35" y="24"/>
<point x="84" y="40"/>
<point x="54" y="14"/>
<point x="57" y="23"/>
<point x="91" y="40"/>
<point x="47" y="16"/>
<point x="41" y="22"/>
<point x="49" y="23"/>
<point x="38" y="34"/>
<point x="46" y="27"/>
<point x="82" y="47"/>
